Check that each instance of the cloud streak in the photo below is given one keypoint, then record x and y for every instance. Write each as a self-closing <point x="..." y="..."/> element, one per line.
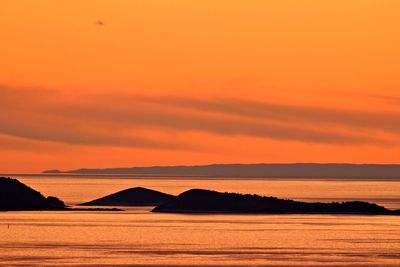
<point x="380" y="121"/>
<point x="160" y="122"/>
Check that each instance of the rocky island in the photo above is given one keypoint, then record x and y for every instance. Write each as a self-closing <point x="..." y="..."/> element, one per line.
<point x="207" y="201"/>
<point x="136" y="196"/>
<point x="15" y="195"/>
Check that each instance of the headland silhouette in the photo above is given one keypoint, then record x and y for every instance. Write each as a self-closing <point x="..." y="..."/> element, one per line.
<point x="15" y="195"/>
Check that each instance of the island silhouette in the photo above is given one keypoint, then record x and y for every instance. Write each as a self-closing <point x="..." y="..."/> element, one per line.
<point x="15" y="195"/>
<point x="136" y="196"/>
<point x="208" y="201"/>
<point x="265" y="170"/>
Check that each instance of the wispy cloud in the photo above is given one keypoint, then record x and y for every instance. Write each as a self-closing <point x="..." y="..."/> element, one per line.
<point x="137" y="121"/>
<point x="389" y="99"/>
<point x="40" y="115"/>
<point x="348" y="118"/>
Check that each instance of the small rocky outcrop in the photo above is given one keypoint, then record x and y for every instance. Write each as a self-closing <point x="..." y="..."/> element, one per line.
<point x="137" y="196"/>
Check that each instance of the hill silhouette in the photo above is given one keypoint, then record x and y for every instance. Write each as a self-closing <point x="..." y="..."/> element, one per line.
<point x="15" y="195"/>
<point x="137" y="196"/>
<point x="207" y="201"/>
<point x="290" y="170"/>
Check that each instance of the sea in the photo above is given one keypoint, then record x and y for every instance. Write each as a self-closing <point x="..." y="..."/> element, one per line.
<point x="139" y="237"/>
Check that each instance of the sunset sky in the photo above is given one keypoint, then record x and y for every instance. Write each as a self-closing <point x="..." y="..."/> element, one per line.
<point x="197" y="82"/>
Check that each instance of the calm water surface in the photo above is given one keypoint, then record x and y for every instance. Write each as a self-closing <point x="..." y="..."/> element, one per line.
<point x="139" y="237"/>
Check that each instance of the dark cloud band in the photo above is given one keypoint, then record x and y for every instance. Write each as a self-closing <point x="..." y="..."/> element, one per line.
<point x="119" y="120"/>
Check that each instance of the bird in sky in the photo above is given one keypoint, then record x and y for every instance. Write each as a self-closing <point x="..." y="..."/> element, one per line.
<point x="99" y="23"/>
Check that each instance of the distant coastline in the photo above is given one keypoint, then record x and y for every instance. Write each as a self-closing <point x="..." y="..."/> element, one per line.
<point x="263" y="170"/>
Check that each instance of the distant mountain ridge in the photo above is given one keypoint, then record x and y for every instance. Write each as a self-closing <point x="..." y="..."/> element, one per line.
<point x="265" y="170"/>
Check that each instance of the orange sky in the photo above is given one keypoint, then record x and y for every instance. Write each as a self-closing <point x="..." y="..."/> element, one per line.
<point x="193" y="82"/>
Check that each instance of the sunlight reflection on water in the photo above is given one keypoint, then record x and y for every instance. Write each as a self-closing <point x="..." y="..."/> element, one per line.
<point x="139" y="237"/>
